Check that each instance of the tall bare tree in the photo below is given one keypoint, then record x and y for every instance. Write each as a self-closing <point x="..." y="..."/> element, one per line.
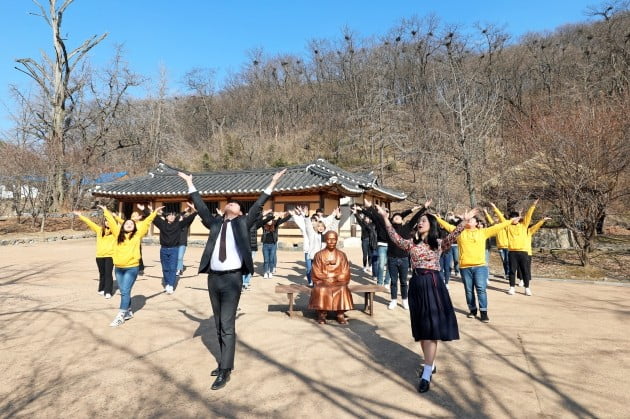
<point x="56" y="80"/>
<point x="469" y="104"/>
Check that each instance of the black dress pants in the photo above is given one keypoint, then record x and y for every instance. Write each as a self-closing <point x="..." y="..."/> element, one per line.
<point x="225" y="293"/>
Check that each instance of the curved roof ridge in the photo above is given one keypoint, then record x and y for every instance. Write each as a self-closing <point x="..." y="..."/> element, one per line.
<point x="318" y="174"/>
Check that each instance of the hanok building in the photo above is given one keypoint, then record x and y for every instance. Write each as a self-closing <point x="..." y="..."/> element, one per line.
<point x="319" y="184"/>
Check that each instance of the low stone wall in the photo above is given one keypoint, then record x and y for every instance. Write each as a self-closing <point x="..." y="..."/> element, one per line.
<point x="553" y="238"/>
<point x="30" y="240"/>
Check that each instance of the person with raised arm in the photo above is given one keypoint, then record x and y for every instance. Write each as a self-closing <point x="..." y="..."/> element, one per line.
<point x="502" y="239"/>
<point x="127" y="257"/>
<point x="226" y="257"/>
<point x="105" y="242"/>
<point x="253" y="241"/>
<point x="369" y="242"/>
<point x="519" y="241"/>
<point x="397" y="259"/>
<point x="269" y="240"/>
<point x="472" y="262"/>
<point x="170" y="232"/>
<point x="183" y="240"/>
<point x="530" y="233"/>
<point x="430" y="307"/>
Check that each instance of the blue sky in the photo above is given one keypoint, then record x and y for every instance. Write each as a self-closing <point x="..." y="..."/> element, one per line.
<point x="184" y="34"/>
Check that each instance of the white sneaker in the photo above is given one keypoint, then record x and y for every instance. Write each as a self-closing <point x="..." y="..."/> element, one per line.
<point x="365" y="270"/>
<point x="266" y="275"/>
<point x="118" y="320"/>
<point x="108" y="296"/>
<point x="169" y="289"/>
<point x="101" y="293"/>
<point x="511" y="291"/>
<point x="128" y="315"/>
<point x="274" y="271"/>
<point x="405" y="304"/>
<point x="446" y="285"/>
<point x="392" y="304"/>
<point x="270" y="275"/>
<point x="528" y="292"/>
<point x="520" y="283"/>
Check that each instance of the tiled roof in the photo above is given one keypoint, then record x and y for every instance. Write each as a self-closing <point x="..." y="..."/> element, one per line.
<point x="318" y="175"/>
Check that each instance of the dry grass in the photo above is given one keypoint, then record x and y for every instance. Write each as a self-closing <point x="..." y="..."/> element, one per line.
<point x="608" y="262"/>
<point x="10" y="228"/>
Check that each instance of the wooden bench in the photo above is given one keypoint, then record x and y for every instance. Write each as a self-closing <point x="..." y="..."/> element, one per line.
<point x="367" y="290"/>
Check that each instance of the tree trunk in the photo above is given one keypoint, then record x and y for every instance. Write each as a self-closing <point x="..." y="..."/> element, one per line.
<point x="470" y="184"/>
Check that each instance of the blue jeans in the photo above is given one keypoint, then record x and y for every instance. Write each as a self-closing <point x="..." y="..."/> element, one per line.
<point x="398" y="269"/>
<point x="269" y="256"/>
<point x="125" y="277"/>
<point x="382" y="278"/>
<point x="374" y="262"/>
<point x="180" y="257"/>
<point x="506" y="261"/>
<point x="309" y="267"/>
<point x="247" y="278"/>
<point x="367" y="254"/>
<point x="168" y="258"/>
<point x="477" y="276"/>
<point x="455" y="251"/>
<point x="445" y="265"/>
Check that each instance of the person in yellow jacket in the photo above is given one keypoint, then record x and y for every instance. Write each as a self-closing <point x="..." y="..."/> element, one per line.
<point x="519" y="241"/>
<point x="501" y="239"/>
<point x="127" y="257"/>
<point x="530" y="232"/>
<point x="105" y="242"/>
<point x="136" y="217"/>
<point x="472" y="262"/>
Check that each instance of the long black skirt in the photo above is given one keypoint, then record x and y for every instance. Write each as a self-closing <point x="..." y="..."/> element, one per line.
<point x="430" y="307"/>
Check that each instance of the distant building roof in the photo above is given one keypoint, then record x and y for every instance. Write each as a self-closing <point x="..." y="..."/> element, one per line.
<point x="107" y="177"/>
<point x="313" y="177"/>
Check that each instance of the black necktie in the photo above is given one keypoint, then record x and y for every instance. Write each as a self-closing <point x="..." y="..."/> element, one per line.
<point x="222" y="251"/>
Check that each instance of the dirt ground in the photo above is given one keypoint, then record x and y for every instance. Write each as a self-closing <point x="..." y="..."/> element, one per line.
<point x="564" y="352"/>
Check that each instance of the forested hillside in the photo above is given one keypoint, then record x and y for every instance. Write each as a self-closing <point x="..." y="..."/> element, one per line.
<point x="462" y="115"/>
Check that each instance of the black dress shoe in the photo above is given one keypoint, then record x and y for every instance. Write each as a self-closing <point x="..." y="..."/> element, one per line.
<point x="424" y="385"/>
<point x="222" y="378"/>
<point x="215" y="372"/>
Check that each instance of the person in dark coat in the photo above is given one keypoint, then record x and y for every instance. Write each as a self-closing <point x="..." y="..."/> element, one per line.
<point x="170" y="231"/>
<point x="226" y="257"/>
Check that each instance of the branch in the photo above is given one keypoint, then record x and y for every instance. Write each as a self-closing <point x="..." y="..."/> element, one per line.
<point x="84" y="48"/>
<point x="43" y="14"/>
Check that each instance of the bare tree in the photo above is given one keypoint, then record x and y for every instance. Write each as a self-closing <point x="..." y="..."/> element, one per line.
<point x="582" y="152"/>
<point x="55" y="79"/>
<point x="469" y="103"/>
